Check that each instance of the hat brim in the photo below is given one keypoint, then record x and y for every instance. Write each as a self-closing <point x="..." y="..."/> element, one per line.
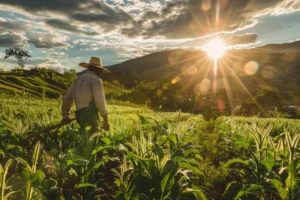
<point x="85" y="65"/>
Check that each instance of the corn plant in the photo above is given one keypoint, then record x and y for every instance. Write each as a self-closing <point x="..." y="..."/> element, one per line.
<point x="158" y="176"/>
<point x="289" y="189"/>
<point x="140" y="146"/>
<point x="3" y="186"/>
<point x="254" y="169"/>
<point x="123" y="178"/>
<point x="33" y="177"/>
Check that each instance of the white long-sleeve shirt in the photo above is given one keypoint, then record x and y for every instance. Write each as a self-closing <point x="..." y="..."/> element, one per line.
<point x="85" y="88"/>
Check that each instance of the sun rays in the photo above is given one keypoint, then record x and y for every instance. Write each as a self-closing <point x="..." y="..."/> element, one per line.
<point x="212" y="72"/>
<point x="215" y="48"/>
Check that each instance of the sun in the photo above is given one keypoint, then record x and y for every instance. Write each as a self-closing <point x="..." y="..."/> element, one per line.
<point x="215" y="48"/>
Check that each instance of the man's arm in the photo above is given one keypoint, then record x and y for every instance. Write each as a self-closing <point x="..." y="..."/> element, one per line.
<point x="105" y="123"/>
<point x="99" y="98"/>
<point x="67" y="104"/>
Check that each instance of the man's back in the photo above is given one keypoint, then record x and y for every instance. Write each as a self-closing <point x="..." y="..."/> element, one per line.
<point x="82" y="89"/>
<point x="86" y="87"/>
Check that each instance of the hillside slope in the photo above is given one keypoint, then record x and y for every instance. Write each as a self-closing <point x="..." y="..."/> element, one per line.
<point x="46" y="83"/>
<point x="243" y="71"/>
<point x="286" y="47"/>
<point x="32" y="84"/>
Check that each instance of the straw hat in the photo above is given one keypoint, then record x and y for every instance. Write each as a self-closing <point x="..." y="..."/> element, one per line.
<point x="96" y="62"/>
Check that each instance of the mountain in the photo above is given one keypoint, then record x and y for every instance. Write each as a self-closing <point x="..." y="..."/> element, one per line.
<point x="286" y="47"/>
<point x="242" y="72"/>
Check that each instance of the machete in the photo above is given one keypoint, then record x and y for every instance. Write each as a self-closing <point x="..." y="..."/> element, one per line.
<point x="50" y="128"/>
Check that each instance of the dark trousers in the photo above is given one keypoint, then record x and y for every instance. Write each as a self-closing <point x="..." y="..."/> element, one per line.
<point x="88" y="117"/>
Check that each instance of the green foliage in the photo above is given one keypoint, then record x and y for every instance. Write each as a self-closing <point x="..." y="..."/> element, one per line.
<point x="265" y="163"/>
<point x="146" y="155"/>
<point x="64" y="164"/>
<point x="268" y="97"/>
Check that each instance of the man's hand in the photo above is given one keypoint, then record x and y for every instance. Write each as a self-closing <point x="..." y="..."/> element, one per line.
<point x="105" y="126"/>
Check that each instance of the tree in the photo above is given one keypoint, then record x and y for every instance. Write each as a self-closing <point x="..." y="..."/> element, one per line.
<point x="269" y="97"/>
<point x="21" y="55"/>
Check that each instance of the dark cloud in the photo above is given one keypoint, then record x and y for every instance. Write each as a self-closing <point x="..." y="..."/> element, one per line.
<point x="193" y="18"/>
<point x="12" y="33"/>
<point x="8" y="39"/>
<point x="48" y="40"/>
<point x="90" y="12"/>
<point x="12" y="26"/>
<point x="179" y="19"/>
<point x="38" y="7"/>
<point x="108" y="19"/>
<point x="67" y="26"/>
<point x="136" y="29"/>
<point x="150" y="15"/>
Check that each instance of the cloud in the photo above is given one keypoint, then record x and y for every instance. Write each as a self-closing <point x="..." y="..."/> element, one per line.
<point x="88" y="12"/>
<point x="229" y="38"/>
<point x="241" y="39"/>
<point x="150" y="19"/>
<point x="106" y="20"/>
<point x="12" y="26"/>
<point x="37" y="61"/>
<point x="57" y="54"/>
<point x="191" y="18"/>
<point x="287" y="6"/>
<point x="9" y="39"/>
<point x="41" y="7"/>
<point x="67" y="26"/>
<point x="55" y="64"/>
<point x="48" y="40"/>
<point x="12" y="33"/>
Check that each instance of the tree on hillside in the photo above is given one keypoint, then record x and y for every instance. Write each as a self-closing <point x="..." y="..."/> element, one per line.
<point x="21" y="55"/>
<point x="268" y="98"/>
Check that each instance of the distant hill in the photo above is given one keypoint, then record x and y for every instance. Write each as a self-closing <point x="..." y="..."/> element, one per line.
<point x="236" y="70"/>
<point x="286" y="47"/>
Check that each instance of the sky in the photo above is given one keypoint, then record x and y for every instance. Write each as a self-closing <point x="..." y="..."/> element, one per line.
<point x="59" y="34"/>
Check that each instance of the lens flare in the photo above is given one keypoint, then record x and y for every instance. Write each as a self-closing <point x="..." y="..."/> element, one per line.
<point x="206" y="5"/>
<point x="251" y="68"/>
<point x="192" y="70"/>
<point x="203" y="87"/>
<point x="175" y="80"/>
<point x="159" y="92"/>
<point x="215" y="48"/>
<point x="221" y="106"/>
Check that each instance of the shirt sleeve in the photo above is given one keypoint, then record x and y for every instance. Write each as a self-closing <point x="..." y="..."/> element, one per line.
<point x="67" y="103"/>
<point x="99" y="97"/>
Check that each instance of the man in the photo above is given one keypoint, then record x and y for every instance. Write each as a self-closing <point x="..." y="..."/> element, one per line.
<point x="88" y="93"/>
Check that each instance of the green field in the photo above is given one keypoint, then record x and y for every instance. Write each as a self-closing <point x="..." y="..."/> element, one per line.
<point x="145" y="155"/>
